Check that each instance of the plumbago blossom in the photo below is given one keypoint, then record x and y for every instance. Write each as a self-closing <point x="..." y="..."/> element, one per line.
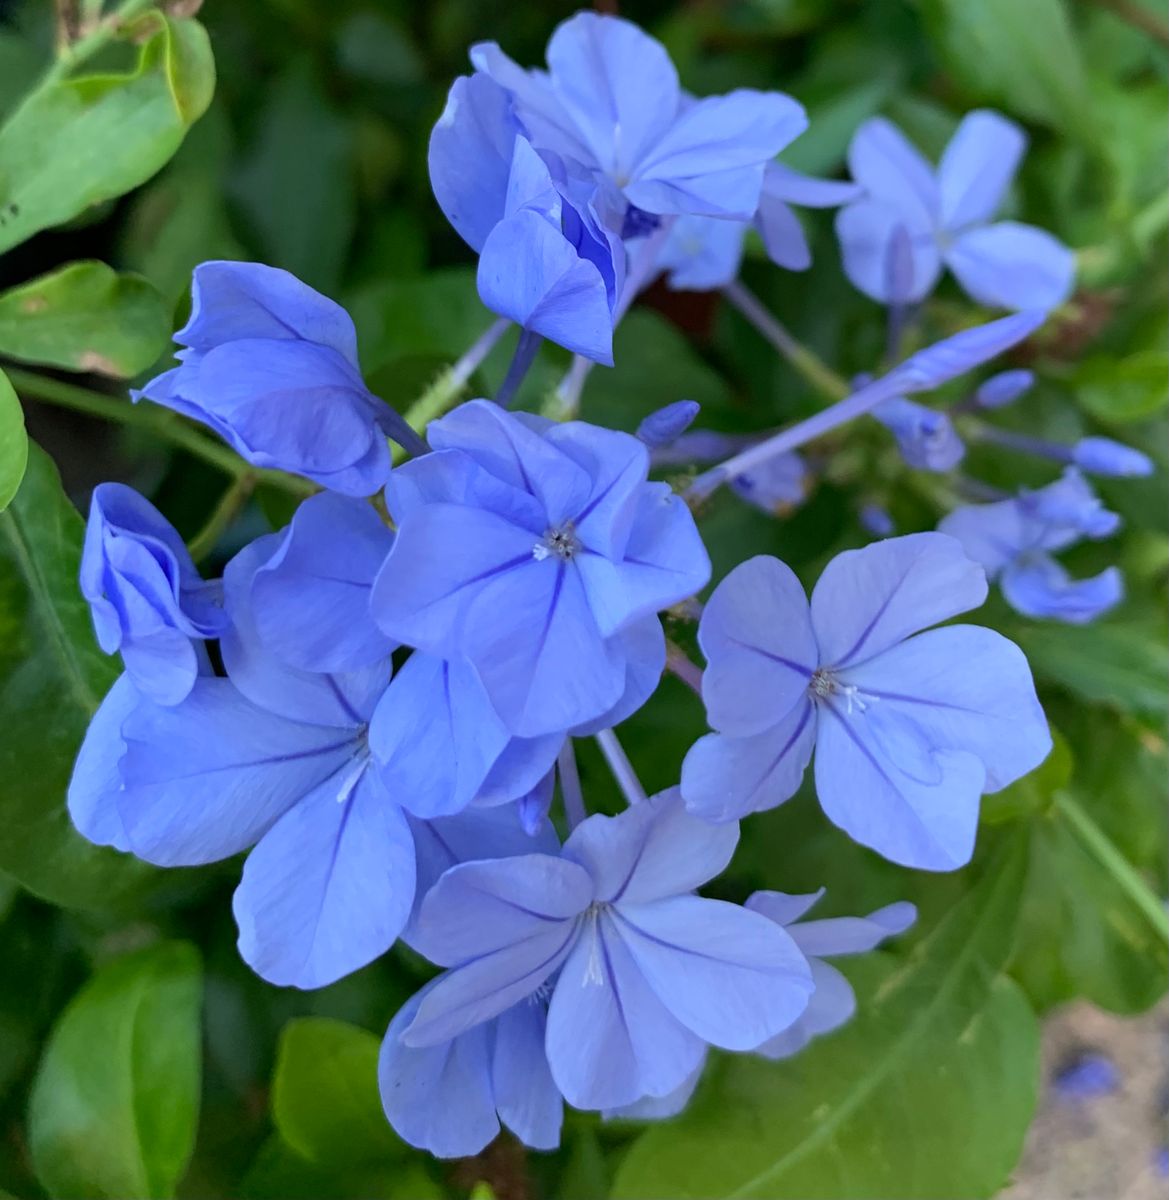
<point x="378" y="703"/>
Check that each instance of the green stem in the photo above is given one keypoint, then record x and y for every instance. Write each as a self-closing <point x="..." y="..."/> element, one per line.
<point x="1139" y="17"/>
<point x="72" y="56"/>
<point x="1099" y="845"/>
<point x="226" y="511"/>
<point x="162" y="423"/>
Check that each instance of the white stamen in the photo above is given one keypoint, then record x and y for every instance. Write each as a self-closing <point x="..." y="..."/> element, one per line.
<point x="593" y="972"/>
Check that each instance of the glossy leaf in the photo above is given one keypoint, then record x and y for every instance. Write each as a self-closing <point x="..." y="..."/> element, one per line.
<point x="52" y="677"/>
<point x="85" y="317"/>
<point x="928" y="1092"/>
<point x="13" y="442"/>
<point x="325" y="1100"/>
<point x="1128" y="389"/>
<point x="83" y="140"/>
<point x="116" y="1100"/>
<point x="279" y="1173"/>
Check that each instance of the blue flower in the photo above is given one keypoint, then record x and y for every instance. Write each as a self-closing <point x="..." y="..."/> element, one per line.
<point x="1103" y="456"/>
<point x="271" y="758"/>
<point x="926" y="437"/>
<point x="702" y="253"/>
<point x="271" y="366"/>
<point x="1003" y="388"/>
<point x="909" y="731"/>
<point x="944" y="218"/>
<point x="526" y="549"/>
<point x="147" y="599"/>
<point x="610" y="104"/>
<point x="1014" y="540"/>
<point x="833" y="1002"/>
<point x="640" y="974"/>
<point x="776" y="485"/>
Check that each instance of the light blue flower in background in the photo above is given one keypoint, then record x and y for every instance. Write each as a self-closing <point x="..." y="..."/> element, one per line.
<point x="909" y="728"/>
<point x="926" y="437"/>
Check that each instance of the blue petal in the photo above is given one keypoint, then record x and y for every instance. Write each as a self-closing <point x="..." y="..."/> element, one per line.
<point x="652" y="850"/>
<point x="990" y="534"/>
<point x="890" y="790"/>
<point x="868" y="600"/>
<point x="666" y="424"/>
<point x="962" y="688"/>
<point x="438" y="1098"/>
<point x="610" y="1039"/>
<point x="328" y="888"/>
<point x="659" y="1108"/>
<point x="528" y="1100"/>
<point x="702" y="253"/>
<point x="311" y="597"/>
<point x="531" y="274"/>
<point x="727" y="974"/>
<point x="725" y="778"/>
<point x="1009" y="265"/>
<point x="782" y="234"/>
<point x="836" y="936"/>
<point x="643" y="647"/>
<point x="961" y="352"/>
<point x="832" y="1004"/>
<point x="977" y="168"/>
<point x="207" y="778"/>
<point x="1037" y="586"/>
<point x="890" y="168"/>
<point x="163" y="665"/>
<point x="470" y="156"/>
<point x="869" y="230"/>
<point x="1103" y="456"/>
<point x="96" y="781"/>
<point x="757" y="637"/>
<point x="782" y="907"/>
<point x="786" y="184"/>
<point x="926" y="437"/>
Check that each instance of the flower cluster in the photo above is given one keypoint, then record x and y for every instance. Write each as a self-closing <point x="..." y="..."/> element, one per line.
<point x="379" y="702"/>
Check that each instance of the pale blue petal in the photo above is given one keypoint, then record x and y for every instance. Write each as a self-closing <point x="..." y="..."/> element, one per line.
<point x="658" y="1108"/>
<point x="519" y="770"/>
<point x="869" y="230"/>
<point x="832" y="1004"/>
<point x="328" y="888"/>
<point x="96" y="781"/>
<point x="836" y="936"/>
<point x="1009" y="265"/>
<point x="643" y="647"/>
<point x="927" y="369"/>
<point x="962" y="688"/>
<point x="782" y="234"/>
<point x="528" y="1100"/>
<point x="977" y="168"/>
<point x="727" y="974"/>
<point x="610" y="1039"/>
<point x="889" y="791"/>
<point x="890" y="168"/>
<point x="990" y="534"/>
<point x="757" y="637"/>
<point x="868" y="600"/>
<point x="438" y="1098"/>
<point x="163" y="665"/>
<point x="784" y="183"/>
<point x="702" y="253"/>
<point x="725" y="778"/>
<point x="782" y="907"/>
<point x="652" y="850"/>
<point x="1038" y="586"/>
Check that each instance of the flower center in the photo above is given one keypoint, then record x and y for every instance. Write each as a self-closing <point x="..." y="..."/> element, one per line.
<point x="824" y="685"/>
<point x="350" y="775"/>
<point x="561" y="541"/>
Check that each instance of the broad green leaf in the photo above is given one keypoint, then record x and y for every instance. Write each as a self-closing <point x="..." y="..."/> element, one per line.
<point x="279" y="1173"/>
<point x="83" y="140"/>
<point x="52" y="677"/>
<point x="1023" y="56"/>
<point x="926" y="1093"/>
<point x="1124" y="389"/>
<point x="13" y="442"/>
<point x="1124" y="665"/>
<point x="116" y="1099"/>
<point x="325" y="1100"/>
<point x="297" y="188"/>
<point x="1035" y="791"/>
<point x="1091" y="926"/>
<point x="85" y="317"/>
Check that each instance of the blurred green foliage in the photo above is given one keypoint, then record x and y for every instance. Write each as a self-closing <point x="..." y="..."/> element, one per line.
<point x="295" y="132"/>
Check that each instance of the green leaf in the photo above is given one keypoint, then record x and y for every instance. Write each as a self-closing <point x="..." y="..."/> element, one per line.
<point x="1123" y="389"/>
<point x="116" y="1100"/>
<point x="325" y="1100"/>
<point x="279" y="1173"/>
<point x="1023" y="56"/>
<point x="1035" y="791"/>
<point x="52" y="677"/>
<point x="926" y="1093"/>
<point x="1124" y="665"/>
<point x="85" y="317"/>
<point x="81" y="141"/>
<point x="13" y="442"/>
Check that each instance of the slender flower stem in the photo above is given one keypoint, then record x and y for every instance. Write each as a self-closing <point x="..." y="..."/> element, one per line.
<point x="796" y="435"/>
<point x="160" y="422"/>
<point x="1021" y="442"/>
<point x="974" y="489"/>
<point x="570" y="790"/>
<point x="230" y="504"/>
<point x="474" y="355"/>
<point x="621" y="767"/>
<point x="809" y="365"/>
<point x="521" y="362"/>
<point x="564" y="403"/>
<point x="678" y="663"/>
<point x="1097" y="843"/>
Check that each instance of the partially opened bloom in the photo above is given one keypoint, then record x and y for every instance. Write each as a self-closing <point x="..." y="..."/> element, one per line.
<point x="147" y="599"/>
<point x="640" y="974"/>
<point x="1014" y="541"/>
<point x="271" y="366"/>
<point x="943" y="218"/>
<point x="611" y="107"/>
<point x="526" y="549"/>
<point x="833" y="1002"/>
<point x="909" y="728"/>
<point x="926" y="437"/>
<point x="274" y="759"/>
